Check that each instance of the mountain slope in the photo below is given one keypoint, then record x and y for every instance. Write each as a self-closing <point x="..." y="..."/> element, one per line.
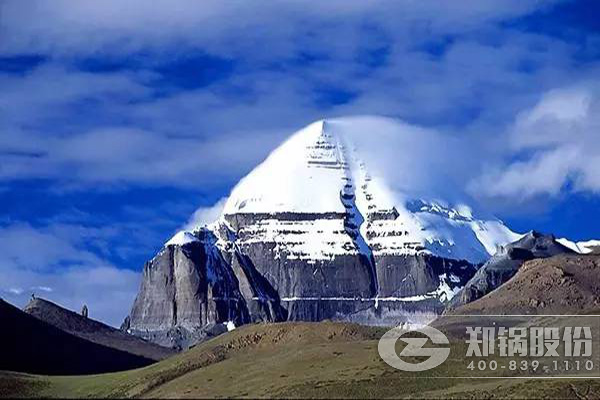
<point x="505" y="264"/>
<point x="563" y="284"/>
<point x="288" y="360"/>
<point x="94" y="331"/>
<point x="311" y="234"/>
<point x="30" y="345"/>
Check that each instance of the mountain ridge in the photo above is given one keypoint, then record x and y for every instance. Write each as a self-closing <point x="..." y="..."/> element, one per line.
<point x="94" y="331"/>
<point x="34" y="346"/>
<point x="505" y="264"/>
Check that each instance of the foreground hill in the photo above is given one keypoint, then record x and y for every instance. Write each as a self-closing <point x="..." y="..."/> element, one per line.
<point x="30" y="345"/>
<point x="94" y="331"/>
<point x="563" y="284"/>
<point x="286" y="360"/>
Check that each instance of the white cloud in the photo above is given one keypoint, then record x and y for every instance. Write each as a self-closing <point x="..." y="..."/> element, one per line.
<point x="566" y="105"/>
<point x="26" y="247"/>
<point x="205" y="215"/>
<point x="118" y="128"/>
<point x="411" y="158"/>
<point x="122" y="155"/>
<point x="48" y="260"/>
<point x="555" y="144"/>
<point x="232" y="27"/>
<point x="204" y="137"/>
<point x="43" y="288"/>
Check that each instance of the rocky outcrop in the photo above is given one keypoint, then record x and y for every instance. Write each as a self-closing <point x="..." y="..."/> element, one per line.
<point x="505" y="264"/>
<point x="188" y="290"/>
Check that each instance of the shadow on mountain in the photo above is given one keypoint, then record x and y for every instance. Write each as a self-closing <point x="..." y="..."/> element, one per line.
<point x="94" y="331"/>
<point x="28" y="344"/>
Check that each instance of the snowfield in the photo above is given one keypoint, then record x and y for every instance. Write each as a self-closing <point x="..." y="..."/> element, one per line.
<point x="319" y="171"/>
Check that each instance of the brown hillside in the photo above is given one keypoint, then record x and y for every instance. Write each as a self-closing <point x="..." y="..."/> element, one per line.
<point x="565" y="284"/>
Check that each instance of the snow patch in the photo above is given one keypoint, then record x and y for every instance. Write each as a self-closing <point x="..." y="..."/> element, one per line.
<point x="581" y="247"/>
<point x="589" y="245"/>
<point x="181" y="238"/>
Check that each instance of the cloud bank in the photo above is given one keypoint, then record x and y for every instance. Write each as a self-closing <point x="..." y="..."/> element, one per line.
<point x="553" y="147"/>
<point x="54" y="264"/>
<point x="108" y="108"/>
<point x="232" y="28"/>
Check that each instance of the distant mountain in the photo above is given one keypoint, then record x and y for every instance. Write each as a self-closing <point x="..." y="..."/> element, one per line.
<point x="505" y="264"/>
<point x="563" y="284"/>
<point x="582" y="247"/>
<point x="94" y="331"/>
<point x="28" y="344"/>
<point x="313" y="234"/>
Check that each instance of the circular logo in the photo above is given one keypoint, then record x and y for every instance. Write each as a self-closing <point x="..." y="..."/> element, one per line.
<point x="414" y="348"/>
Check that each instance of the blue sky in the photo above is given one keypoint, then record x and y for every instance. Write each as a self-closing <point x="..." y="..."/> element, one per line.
<point x="119" y="119"/>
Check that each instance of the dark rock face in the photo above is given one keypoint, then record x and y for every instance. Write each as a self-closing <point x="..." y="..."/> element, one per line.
<point x="189" y="291"/>
<point x="400" y="276"/>
<point x="505" y="264"/>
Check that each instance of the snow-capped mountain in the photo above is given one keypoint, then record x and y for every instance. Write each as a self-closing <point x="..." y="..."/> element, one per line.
<point x="313" y="233"/>
<point x="319" y="171"/>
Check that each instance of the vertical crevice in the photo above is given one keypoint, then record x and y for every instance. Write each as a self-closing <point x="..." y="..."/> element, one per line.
<point x="173" y="276"/>
<point x="354" y="219"/>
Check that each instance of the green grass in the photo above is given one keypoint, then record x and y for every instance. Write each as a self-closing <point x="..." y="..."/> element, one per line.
<point x="321" y="360"/>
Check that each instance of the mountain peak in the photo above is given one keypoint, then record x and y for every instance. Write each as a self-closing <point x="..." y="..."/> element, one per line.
<point x="320" y="171"/>
<point x="181" y="238"/>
